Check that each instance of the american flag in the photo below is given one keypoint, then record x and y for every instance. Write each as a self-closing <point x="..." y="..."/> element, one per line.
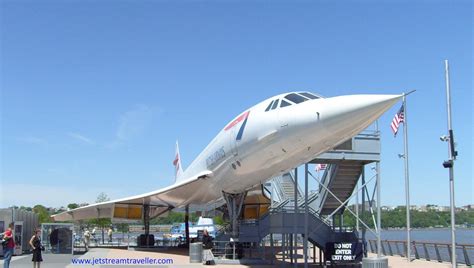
<point x="397" y="119"/>
<point x="320" y="167"/>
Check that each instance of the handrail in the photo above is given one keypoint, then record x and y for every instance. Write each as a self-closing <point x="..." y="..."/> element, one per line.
<point x="322" y="193"/>
<point x="234" y="250"/>
<point x="369" y="133"/>
<point x="292" y="177"/>
<point x="430" y="242"/>
<point x="428" y="250"/>
<point x="327" y="172"/>
<point x="284" y="209"/>
<point x="311" y="197"/>
<point x="279" y="191"/>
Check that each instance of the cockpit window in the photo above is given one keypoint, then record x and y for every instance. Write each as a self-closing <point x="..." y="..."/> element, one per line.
<point x="295" y="98"/>
<point x="284" y="103"/>
<point x="269" y="106"/>
<point x="275" y="104"/>
<point x="309" y="95"/>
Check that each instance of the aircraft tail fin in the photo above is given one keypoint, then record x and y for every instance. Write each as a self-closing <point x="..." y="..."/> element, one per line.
<point x="177" y="164"/>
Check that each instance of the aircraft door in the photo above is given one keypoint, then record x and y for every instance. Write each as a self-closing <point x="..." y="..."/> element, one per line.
<point x="284" y="118"/>
<point x="232" y="142"/>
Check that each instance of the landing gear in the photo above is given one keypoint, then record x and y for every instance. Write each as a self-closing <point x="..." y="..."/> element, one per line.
<point x="186" y="224"/>
<point x="146" y="240"/>
<point x="149" y="212"/>
<point x="146" y="222"/>
<point x="234" y="207"/>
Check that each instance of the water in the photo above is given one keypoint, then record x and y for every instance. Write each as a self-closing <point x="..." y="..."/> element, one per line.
<point x="442" y="235"/>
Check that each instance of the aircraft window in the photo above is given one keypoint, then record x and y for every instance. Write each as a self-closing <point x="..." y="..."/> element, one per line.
<point x="295" y="98"/>
<point x="284" y="103"/>
<point x="269" y="106"/>
<point x="309" y="95"/>
<point x="275" y="104"/>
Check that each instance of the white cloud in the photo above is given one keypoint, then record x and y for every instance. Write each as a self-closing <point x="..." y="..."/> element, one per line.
<point x="80" y="137"/>
<point x="132" y="124"/>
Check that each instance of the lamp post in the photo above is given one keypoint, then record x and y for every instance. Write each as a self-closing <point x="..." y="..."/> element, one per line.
<point x="450" y="165"/>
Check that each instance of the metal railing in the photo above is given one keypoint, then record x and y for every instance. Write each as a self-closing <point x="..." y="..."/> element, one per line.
<point x="313" y="215"/>
<point x="234" y="250"/>
<point x="224" y="250"/>
<point x="125" y="241"/>
<point x="430" y="251"/>
<point x="311" y="198"/>
<point x="117" y="241"/>
<point x="327" y="173"/>
<point x="288" y="207"/>
<point x="279" y="195"/>
<point x="369" y="133"/>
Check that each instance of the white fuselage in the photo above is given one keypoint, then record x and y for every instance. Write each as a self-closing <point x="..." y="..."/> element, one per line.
<point x="269" y="138"/>
<point x="260" y="144"/>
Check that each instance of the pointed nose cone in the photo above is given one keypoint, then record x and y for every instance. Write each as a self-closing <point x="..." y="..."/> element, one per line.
<point x="349" y="115"/>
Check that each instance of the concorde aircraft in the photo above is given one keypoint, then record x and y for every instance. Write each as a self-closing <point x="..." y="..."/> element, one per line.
<point x="265" y="140"/>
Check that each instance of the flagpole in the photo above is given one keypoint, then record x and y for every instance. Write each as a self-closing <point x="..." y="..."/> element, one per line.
<point x="407" y="180"/>
<point x="379" y="203"/>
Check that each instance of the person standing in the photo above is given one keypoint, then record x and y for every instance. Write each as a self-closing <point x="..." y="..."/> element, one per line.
<point x="109" y="233"/>
<point x="87" y="239"/>
<point x="8" y="249"/>
<point x="207" y="247"/>
<point x="35" y="243"/>
<point x="94" y="230"/>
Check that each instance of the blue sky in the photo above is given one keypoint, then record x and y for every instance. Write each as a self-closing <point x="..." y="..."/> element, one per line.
<point x="94" y="94"/>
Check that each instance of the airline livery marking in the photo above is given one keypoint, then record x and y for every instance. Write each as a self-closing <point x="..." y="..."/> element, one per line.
<point x="242" y="117"/>
<point x="176" y="163"/>
<point x="237" y="120"/>
<point x="214" y="157"/>
<point x="241" y="130"/>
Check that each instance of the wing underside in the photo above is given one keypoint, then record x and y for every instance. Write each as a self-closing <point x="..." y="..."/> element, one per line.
<point x="192" y="190"/>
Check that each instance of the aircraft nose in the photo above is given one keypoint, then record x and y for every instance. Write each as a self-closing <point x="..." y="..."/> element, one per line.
<point x="349" y="115"/>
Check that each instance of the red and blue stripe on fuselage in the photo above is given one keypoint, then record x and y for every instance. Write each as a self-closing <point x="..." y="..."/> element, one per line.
<point x="243" y="117"/>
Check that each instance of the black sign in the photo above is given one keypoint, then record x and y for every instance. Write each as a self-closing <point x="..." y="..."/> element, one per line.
<point x="200" y="235"/>
<point x="343" y="252"/>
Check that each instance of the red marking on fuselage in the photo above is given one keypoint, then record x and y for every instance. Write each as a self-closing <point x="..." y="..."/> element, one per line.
<point x="237" y="120"/>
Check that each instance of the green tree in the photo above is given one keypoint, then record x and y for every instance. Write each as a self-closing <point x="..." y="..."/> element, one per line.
<point x="419" y="219"/>
<point x="101" y="222"/>
<point x="218" y="220"/>
<point x="174" y="217"/>
<point x="102" y="197"/>
<point x="72" y="206"/>
<point x="26" y="208"/>
<point x="43" y="213"/>
<point x="122" y="227"/>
